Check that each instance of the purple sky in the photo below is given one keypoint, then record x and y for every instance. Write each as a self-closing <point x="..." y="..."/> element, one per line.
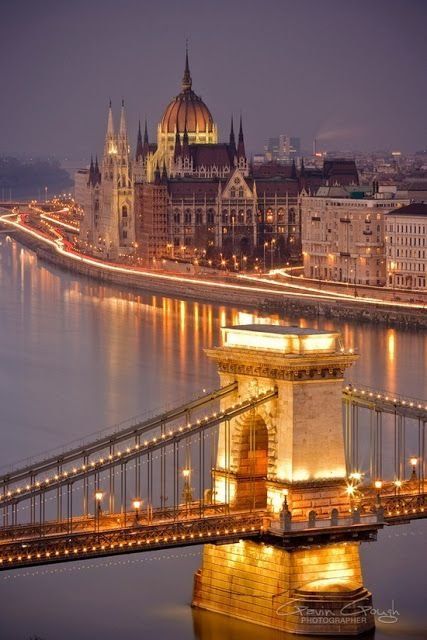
<point x="351" y="73"/>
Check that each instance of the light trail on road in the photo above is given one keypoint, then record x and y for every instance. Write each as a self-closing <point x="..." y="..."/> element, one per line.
<point x="58" y="245"/>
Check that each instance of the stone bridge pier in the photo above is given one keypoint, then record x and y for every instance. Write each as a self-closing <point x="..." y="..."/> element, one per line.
<point x="287" y="457"/>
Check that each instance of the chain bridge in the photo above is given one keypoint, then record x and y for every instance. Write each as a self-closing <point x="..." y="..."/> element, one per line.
<point x="281" y="473"/>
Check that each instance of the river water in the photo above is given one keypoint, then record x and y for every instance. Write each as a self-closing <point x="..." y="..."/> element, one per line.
<point x="76" y="356"/>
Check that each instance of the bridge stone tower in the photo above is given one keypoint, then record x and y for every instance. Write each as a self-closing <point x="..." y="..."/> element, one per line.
<point x="286" y="457"/>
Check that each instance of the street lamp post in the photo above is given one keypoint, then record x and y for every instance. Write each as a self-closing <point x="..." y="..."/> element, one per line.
<point x="187" y="492"/>
<point x="137" y="504"/>
<point x="378" y="487"/>
<point x="413" y="462"/>
<point x="98" y="509"/>
<point x="265" y="247"/>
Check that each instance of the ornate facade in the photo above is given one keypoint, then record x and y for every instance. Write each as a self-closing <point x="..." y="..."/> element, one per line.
<point x="188" y="195"/>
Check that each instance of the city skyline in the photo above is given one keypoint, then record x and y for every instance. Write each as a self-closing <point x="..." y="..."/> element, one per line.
<point x="300" y="72"/>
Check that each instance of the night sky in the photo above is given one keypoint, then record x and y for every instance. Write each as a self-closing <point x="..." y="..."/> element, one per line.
<point x="350" y="73"/>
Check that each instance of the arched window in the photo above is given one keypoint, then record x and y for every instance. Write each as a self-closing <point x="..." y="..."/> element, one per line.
<point x="187" y="216"/>
<point x="124" y="211"/>
<point x="176" y="217"/>
<point x="232" y="193"/>
<point x="241" y="192"/>
<point x="211" y="216"/>
<point x="292" y="216"/>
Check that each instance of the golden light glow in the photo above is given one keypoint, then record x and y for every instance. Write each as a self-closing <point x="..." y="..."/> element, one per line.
<point x="413" y="461"/>
<point x="378" y="484"/>
<point x="98" y="496"/>
<point x="137" y="504"/>
<point x="284" y="342"/>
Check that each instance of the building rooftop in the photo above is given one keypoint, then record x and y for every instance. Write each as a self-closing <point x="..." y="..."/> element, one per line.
<point x="278" y="329"/>
<point x="414" y="209"/>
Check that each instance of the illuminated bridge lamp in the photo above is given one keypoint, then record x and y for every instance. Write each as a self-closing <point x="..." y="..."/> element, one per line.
<point x="350" y="489"/>
<point x="98" y="509"/>
<point x="137" y="503"/>
<point x="397" y="484"/>
<point x="413" y="462"/>
<point x="285" y="497"/>
<point x="187" y="493"/>
<point x="378" y="486"/>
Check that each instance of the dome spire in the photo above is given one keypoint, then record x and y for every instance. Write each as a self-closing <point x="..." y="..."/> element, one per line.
<point x="186" y="80"/>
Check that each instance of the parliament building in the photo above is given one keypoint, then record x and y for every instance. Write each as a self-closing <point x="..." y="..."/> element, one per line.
<point x="190" y="196"/>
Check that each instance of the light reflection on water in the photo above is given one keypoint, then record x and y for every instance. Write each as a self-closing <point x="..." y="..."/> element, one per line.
<point x="76" y="356"/>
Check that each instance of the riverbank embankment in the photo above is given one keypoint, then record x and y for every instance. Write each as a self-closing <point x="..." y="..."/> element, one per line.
<point x="241" y="295"/>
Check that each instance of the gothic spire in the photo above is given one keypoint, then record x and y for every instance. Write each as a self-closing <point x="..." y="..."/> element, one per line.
<point x="97" y="171"/>
<point x="232" y="139"/>
<point x="91" y="171"/>
<point x="185" y="143"/>
<point x="123" y="128"/>
<point x="186" y="80"/>
<point x="145" y="132"/>
<point x="139" y="149"/>
<point x="241" y="143"/>
<point x="110" y="123"/>
<point x="164" y="173"/>
<point x="178" y="149"/>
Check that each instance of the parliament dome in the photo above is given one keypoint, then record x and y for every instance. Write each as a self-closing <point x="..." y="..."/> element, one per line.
<point x="187" y="110"/>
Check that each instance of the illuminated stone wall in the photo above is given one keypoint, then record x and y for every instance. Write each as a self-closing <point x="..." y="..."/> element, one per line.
<point x="258" y="583"/>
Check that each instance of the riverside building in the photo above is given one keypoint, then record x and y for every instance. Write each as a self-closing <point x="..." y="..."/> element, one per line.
<point x="406" y="246"/>
<point x="343" y="233"/>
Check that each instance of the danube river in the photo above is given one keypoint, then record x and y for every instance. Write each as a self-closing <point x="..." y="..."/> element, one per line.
<point x="75" y="357"/>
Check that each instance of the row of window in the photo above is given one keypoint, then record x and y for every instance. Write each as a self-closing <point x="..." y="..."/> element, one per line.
<point x="408" y="228"/>
<point x="410" y="266"/>
<point x="404" y="281"/>
<point x="408" y="253"/>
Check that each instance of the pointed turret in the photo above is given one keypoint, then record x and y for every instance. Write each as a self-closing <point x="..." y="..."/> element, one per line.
<point x="91" y="172"/>
<point x="185" y="143"/>
<point x="139" y="148"/>
<point x="241" y="154"/>
<point x="186" y="80"/>
<point x="232" y="144"/>
<point x="123" y="127"/>
<point x="178" y="149"/>
<point x="146" y="145"/>
<point x="110" y="123"/>
<point x="164" y="173"/>
<point x="97" y="171"/>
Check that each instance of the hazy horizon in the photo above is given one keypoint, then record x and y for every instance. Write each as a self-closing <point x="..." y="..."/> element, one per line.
<point x="350" y="74"/>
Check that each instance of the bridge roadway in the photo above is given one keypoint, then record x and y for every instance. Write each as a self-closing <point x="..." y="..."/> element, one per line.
<point x="192" y="524"/>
